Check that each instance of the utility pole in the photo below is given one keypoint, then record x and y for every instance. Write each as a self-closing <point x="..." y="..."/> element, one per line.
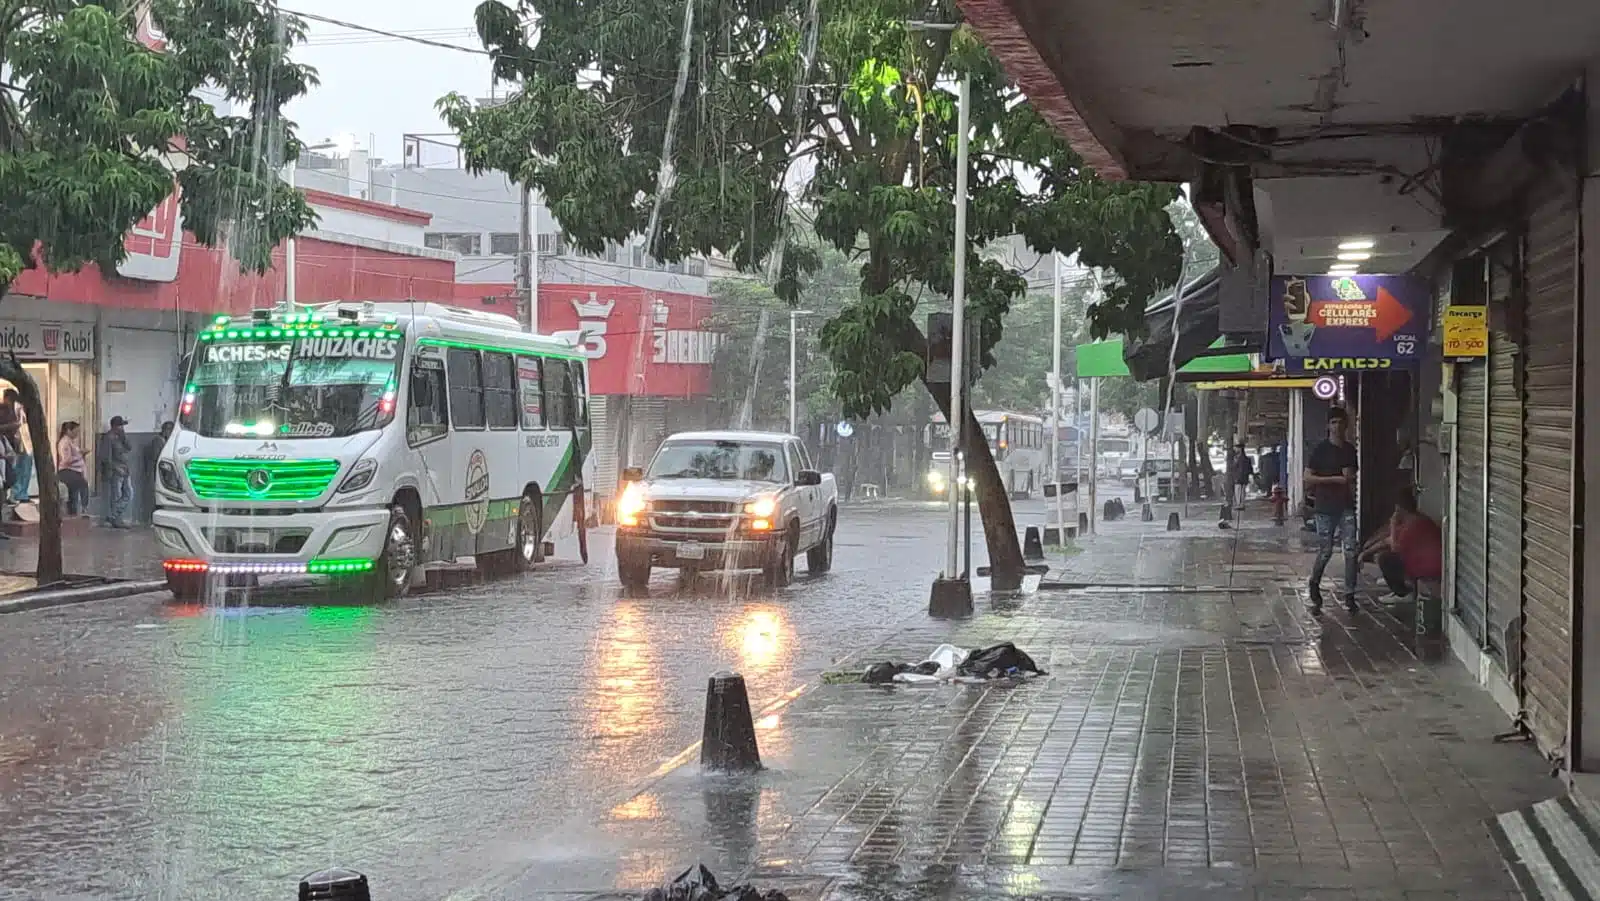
<point x="527" y="286"/>
<point x="1055" y="405"/>
<point x="793" y="374"/>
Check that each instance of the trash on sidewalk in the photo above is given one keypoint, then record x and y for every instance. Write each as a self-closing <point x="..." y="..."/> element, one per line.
<point x="698" y="884"/>
<point x="949" y="663"/>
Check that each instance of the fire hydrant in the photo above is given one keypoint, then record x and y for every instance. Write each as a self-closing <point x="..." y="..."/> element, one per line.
<point x="1280" y="504"/>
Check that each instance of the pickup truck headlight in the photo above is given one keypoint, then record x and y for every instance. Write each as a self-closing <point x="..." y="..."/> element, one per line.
<point x="631" y="504"/>
<point x="360" y="476"/>
<point x="762" y="506"/>
<point x="168" y="474"/>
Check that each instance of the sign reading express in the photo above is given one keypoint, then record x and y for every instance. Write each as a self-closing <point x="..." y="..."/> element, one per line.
<point x="48" y="340"/>
<point x="1355" y="322"/>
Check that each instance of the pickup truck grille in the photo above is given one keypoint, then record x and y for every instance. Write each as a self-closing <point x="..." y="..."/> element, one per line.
<point x="704" y="523"/>
<point x="683" y="506"/>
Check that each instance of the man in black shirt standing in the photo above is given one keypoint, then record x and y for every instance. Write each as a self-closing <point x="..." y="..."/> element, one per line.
<point x="1331" y="479"/>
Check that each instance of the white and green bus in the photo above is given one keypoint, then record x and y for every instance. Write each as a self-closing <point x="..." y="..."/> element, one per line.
<point x="369" y="441"/>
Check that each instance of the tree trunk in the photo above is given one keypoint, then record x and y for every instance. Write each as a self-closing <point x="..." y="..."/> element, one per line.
<point x="44" y="470"/>
<point x="1006" y="568"/>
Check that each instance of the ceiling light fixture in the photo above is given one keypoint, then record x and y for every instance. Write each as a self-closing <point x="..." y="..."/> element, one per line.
<point x="1355" y="256"/>
<point x="1357" y="244"/>
<point x="1343" y="269"/>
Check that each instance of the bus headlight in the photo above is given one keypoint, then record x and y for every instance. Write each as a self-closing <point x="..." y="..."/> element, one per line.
<point x="168" y="474"/>
<point x="360" y="476"/>
<point x="632" y="503"/>
<point x="936" y="481"/>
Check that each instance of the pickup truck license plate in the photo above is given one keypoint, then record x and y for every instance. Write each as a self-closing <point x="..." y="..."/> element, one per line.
<point x="691" y="550"/>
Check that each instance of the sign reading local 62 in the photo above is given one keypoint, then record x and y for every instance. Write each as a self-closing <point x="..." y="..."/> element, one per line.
<point x="1466" y="332"/>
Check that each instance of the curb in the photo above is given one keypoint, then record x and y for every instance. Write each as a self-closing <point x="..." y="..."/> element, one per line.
<point x="63" y="597"/>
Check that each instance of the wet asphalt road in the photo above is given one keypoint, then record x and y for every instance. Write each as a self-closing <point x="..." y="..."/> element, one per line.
<point x="149" y="750"/>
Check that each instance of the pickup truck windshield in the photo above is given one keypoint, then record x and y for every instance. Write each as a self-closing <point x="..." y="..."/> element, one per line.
<point x="317" y="387"/>
<point x="730" y="460"/>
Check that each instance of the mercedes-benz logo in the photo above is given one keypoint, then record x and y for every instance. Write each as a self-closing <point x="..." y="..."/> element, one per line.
<point x="258" y="480"/>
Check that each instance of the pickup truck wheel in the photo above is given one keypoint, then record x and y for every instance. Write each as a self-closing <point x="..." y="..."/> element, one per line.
<point x="633" y="574"/>
<point x="820" y="558"/>
<point x="780" y="570"/>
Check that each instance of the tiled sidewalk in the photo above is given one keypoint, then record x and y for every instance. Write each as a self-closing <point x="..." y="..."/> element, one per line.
<point x="1188" y="741"/>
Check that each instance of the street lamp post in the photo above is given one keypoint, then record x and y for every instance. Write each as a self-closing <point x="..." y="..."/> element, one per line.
<point x="794" y="315"/>
<point x="1055" y="405"/>
<point x="952" y="591"/>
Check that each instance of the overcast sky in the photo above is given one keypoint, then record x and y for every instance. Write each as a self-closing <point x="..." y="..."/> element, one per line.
<point x="380" y="88"/>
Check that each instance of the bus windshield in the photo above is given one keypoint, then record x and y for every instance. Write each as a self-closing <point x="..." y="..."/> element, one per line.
<point x="311" y="387"/>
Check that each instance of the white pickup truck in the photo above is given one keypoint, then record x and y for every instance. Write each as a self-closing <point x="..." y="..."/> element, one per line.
<point x="726" y="501"/>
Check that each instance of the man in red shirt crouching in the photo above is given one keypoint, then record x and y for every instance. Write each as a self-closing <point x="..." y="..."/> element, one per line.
<point x="1411" y="550"/>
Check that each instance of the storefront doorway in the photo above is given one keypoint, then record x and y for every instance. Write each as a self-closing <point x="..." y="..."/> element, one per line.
<point x="68" y="394"/>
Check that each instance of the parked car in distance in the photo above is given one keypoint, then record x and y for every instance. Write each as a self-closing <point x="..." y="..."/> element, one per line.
<point x="726" y="501"/>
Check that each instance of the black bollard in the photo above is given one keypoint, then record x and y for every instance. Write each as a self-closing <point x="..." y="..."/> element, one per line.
<point x="1032" y="546"/>
<point x="1122" y="509"/>
<point x="336" y="884"/>
<point x="1083" y="523"/>
<point x="1108" y="512"/>
<point x="1147" y="513"/>
<point x="1173" y="524"/>
<point x="729" y="739"/>
<point x="1052" y="536"/>
<point x="1227" y="513"/>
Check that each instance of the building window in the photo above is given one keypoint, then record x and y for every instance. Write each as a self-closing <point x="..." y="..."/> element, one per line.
<point x="638" y="256"/>
<point x="504" y="244"/>
<point x="697" y="267"/>
<point x="464" y="243"/>
<point x="547" y="245"/>
<point x="613" y="252"/>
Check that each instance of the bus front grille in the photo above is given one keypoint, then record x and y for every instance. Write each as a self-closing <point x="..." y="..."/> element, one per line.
<point x="261" y="480"/>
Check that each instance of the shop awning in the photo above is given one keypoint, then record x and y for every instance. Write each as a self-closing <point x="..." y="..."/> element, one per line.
<point x="1106" y="359"/>
<point x="1198" y="328"/>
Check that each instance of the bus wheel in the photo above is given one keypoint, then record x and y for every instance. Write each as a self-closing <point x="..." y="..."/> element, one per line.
<point x="530" y="531"/>
<point x="391" y="574"/>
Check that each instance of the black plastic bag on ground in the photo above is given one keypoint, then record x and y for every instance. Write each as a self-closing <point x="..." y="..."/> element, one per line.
<point x="881" y="673"/>
<point x="698" y="884"/>
<point x="1003" y="659"/>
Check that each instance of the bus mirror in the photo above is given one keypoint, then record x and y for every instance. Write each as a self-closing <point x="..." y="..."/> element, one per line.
<point x="633" y="474"/>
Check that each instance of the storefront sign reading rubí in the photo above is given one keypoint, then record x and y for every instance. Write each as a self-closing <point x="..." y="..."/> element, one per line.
<point x="1325" y="323"/>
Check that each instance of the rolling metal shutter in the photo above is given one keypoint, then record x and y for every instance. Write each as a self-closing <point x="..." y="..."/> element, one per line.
<point x="1472" y="434"/>
<point x="603" y="429"/>
<point x="1504" y="496"/>
<point x="1551" y="276"/>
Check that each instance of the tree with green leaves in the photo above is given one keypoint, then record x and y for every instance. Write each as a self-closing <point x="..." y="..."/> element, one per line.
<point x="700" y="143"/>
<point x="102" y="113"/>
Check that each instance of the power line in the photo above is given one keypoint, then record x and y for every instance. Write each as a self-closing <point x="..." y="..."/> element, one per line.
<point x="392" y="35"/>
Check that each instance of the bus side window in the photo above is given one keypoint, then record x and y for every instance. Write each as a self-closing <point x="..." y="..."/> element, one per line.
<point x="466" y="389"/>
<point x="557" y="394"/>
<point x="500" y="390"/>
<point x="580" y="394"/>
<point x="529" y="388"/>
<point x="427" y="412"/>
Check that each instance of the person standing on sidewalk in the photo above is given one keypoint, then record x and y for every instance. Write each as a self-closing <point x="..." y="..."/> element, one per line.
<point x="119" y="464"/>
<point x="1243" y="469"/>
<point x="1330" y="479"/>
<point x="72" y="469"/>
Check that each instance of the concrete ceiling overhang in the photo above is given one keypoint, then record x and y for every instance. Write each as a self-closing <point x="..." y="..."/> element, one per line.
<point x="1128" y="82"/>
